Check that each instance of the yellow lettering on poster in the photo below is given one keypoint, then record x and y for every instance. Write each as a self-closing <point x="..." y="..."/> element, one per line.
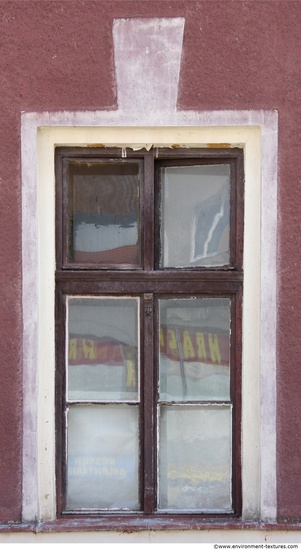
<point x="214" y="348"/>
<point x="72" y="348"/>
<point x="89" y="349"/>
<point x="130" y="374"/>
<point x="172" y="341"/>
<point x="200" y="340"/>
<point x="187" y="345"/>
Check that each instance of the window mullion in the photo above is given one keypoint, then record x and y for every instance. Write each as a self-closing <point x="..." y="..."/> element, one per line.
<point x="60" y="396"/>
<point x="59" y="210"/>
<point x="148" y="405"/>
<point x="235" y="389"/>
<point x="147" y="199"/>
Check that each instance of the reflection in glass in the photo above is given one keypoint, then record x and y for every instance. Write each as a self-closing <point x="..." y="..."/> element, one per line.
<point x="102" y="465"/>
<point x="194" y="360"/>
<point x="195" y="458"/>
<point x="195" y="213"/>
<point x="103" y="212"/>
<point x="102" y="349"/>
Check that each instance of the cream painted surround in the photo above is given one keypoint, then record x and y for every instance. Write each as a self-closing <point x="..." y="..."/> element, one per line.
<point x="256" y="133"/>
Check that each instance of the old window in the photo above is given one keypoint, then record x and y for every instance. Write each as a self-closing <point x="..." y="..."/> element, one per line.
<point x="148" y="308"/>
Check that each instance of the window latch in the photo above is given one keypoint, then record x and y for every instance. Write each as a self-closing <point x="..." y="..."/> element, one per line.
<point x="148" y="304"/>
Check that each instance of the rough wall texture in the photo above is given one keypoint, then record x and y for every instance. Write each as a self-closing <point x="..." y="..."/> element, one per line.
<point x="57" y="55"/>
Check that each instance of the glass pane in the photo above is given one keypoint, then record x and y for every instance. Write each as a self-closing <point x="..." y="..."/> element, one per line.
<point x="195" y="216"/>
<point x="195" y="458"/>
<point x="103" y="212"/>
<point x="102" y="349"/>
<point x="194" y="361"/>
<point x="102" y="467"/>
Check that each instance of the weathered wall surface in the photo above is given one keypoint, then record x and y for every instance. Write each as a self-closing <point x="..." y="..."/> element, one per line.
<point x="57" y="55"/>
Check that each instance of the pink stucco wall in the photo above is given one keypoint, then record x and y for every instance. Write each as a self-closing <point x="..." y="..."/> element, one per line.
<point x="57" y="55"/>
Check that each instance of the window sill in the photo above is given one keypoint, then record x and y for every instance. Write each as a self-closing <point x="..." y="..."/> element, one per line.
<point x="130" y="524"/>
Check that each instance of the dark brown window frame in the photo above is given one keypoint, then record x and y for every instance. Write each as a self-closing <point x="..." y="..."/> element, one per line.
<point x="147" y="282"/>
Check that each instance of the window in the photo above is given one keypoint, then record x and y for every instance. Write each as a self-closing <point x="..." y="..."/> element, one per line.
<point x="148" y="308"/>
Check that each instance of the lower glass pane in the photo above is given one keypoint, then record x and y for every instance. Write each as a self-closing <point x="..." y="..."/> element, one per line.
<point x="102" y="465"/>
<point x="195" y="458"/>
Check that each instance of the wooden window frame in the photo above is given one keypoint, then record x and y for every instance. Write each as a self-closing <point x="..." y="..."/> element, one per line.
<point x="147" y="282"/>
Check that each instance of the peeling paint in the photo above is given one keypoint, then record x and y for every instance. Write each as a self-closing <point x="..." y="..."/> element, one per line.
<point x="219" y="145"/>
<point x="97" y="145"/>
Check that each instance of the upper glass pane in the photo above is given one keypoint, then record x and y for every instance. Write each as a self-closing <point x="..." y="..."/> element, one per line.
<point x="195" y="216"/>
<point x="103" y="213"/>
<point x="194" y="362"/>
<point x="102" y="349"/>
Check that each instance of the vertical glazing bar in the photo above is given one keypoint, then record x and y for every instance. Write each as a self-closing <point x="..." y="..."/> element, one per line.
<point x="239" y="209"/>
<point x="59" y="209"/>
<point x="60" y="384"/>
<point x="149" y="428"/>
<point x="147" y="197"/>
<point x="235" y="365"/>
<point x="233" y="217"/>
